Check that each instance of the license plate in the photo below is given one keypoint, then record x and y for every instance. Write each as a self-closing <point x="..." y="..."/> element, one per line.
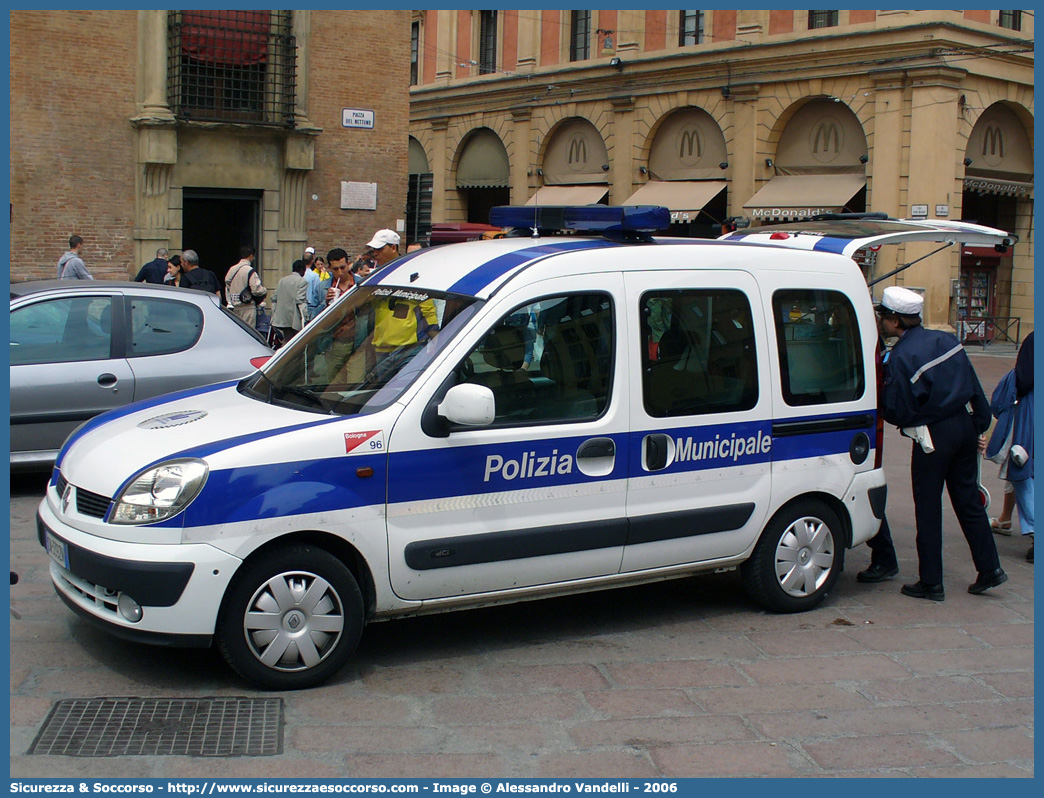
<point x="57" y="549"/>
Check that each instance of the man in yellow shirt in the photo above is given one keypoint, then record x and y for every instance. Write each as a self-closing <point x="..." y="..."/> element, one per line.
<point x="402" y="322"/>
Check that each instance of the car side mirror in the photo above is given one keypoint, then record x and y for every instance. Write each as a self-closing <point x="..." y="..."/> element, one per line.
<point x="468" y="405"/>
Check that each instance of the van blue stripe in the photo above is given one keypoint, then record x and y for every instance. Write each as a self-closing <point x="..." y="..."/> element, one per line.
<point x="828" y="244"/>
<point x="475" y="281"/>
<point x="331" y="484"/>
<point x="205" y="449"/>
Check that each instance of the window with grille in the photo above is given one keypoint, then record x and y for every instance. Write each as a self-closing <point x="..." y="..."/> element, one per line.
<point x="487" y="42"/>
<point x="690" y="28"/>
<point x="232" y="66"/>
<point x="414" y="52"/>
<point x="1012" y="20"/>
<point x="822" y="19"/>
<point x="579" y="35"/>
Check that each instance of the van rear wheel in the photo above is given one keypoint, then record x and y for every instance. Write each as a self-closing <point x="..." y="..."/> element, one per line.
<point x="291" y="618"/>
<point x="797" y="560"/>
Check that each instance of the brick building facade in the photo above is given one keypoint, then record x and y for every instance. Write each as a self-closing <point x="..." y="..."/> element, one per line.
<point x="751" y="115"/>
<point x="204" y="130"/>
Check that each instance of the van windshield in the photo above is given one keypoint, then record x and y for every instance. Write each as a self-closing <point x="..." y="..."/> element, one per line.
<point x="360" y="355"/>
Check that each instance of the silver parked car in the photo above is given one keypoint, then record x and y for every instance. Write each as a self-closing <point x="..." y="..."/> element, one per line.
<point x="79" y="348"/>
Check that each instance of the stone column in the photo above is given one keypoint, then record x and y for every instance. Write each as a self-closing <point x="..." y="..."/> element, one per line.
<point x="157" y="144"/>
<point x="933" y="180"/>
<point x="152" y="68"/>
<point x="629" y="27"/>
<point x="886" y="166"/>
<point x="522" y="167"/>
<point x="302" y="36"/>
<point x="743" y="101"/>
<point x="528" y="40"/>
<point x="439" y="168"/>
<point x="621" y="156"/>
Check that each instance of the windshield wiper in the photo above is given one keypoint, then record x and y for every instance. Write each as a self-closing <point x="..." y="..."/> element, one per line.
<point x="304" y="393"/>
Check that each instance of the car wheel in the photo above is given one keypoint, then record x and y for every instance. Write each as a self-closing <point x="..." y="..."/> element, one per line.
<point x="797" y="560"/>
<point x="291" y="618"/>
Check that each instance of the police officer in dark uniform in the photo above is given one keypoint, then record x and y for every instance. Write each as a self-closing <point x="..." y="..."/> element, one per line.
<point x="929" y="385"/>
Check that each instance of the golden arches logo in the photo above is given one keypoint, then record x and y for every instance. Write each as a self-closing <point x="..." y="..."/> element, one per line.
<point x="690" y="145"/>
<point x="993" y="144"/>
<point x="827" y="139"/>
<point x="577" y="151"/>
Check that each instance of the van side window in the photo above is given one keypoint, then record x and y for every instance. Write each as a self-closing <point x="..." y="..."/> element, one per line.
<point x="547" y="361"/>
<point x="698" y="352"/>
<point x="820" y="353"/>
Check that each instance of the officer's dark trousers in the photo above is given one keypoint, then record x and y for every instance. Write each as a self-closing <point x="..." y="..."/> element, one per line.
<point x="953" y="464"/>
<point x="882" y="550"/>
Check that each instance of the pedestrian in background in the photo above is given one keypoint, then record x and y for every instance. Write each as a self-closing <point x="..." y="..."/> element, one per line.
<point x="383" y="247"/>
<point x="243" y="288"/>
<point x="929" y="386"/>
<point x="71" y="265"/>
<point x="317" y="289"/>
<point x="194" y="276"/>
<point x="173" y="275"/>
<point x="291" y="302"/>
<point x="341" y="280"/>
<point x="155" y="271"/>
<point x="362" y="268"/>
<point x="1012" y="442"/>
<point x="310" y="275"/>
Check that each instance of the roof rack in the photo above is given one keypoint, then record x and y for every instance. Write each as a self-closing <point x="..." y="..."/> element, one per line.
<point x="624" y="222"/>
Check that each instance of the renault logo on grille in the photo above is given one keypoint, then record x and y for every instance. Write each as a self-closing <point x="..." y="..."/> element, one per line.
<point x="66" y="498"/>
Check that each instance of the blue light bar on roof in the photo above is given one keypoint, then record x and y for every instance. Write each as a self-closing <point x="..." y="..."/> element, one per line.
<point x="589" y="218"/>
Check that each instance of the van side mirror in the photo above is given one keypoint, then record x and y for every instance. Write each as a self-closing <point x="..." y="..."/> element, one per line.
<point x="468" y="405"/>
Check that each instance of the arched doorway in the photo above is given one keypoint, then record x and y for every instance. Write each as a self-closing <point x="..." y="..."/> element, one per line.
<point x="575" y="166"/>
<point x="998" y="192"/>
<point x="687" y="161"/>
<point x="819" y="166"/>
<point x="483" y="174"/>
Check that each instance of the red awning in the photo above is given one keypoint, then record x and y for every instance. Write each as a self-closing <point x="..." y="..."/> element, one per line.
<point x="232" y="38"/>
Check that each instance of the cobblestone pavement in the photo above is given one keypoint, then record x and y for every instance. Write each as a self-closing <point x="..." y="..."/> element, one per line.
<point x="682" y="678"/>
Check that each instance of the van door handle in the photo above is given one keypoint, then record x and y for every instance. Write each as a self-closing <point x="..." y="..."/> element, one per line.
<point x="596" y="447"/>
<point x="656" y="451"/>
<point x="107" y="380"/>
<point x="596" y="457"/>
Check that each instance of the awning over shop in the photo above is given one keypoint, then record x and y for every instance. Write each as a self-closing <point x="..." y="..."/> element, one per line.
<point x="1003" y="188"/>
<point x="680" y="196"/>
<point x="798" y="196"/>
<point x="568" y="195"/>
<point x="484" y="163"/>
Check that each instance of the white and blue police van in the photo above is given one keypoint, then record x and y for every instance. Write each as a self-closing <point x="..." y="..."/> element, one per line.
<point x="488" y="422"/>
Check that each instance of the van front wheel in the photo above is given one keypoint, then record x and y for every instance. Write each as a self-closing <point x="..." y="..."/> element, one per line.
<point x="291" y="618"/>
<point x="797" y="560"/>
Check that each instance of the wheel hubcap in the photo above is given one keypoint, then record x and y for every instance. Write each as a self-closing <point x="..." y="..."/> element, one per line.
<point x="804" y="556"/>
<point x="293" y="621"/>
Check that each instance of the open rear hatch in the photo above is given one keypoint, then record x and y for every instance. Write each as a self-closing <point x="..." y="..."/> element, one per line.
<point x="848" y="236"/>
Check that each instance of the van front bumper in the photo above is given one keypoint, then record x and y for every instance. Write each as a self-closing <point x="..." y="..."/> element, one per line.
<point x="178" y="587"/>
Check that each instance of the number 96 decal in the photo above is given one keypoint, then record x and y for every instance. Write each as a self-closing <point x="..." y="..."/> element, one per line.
<point x="366" y="442"/>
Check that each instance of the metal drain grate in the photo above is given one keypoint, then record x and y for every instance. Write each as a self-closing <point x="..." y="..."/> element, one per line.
<point x="162" y="727"/>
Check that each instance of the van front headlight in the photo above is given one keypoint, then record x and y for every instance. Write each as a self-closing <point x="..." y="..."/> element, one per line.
<point x="159" y="492"/>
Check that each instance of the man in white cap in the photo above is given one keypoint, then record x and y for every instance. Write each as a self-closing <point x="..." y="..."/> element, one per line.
<point x="383" y="247"/>
<point x="929" y="384"/>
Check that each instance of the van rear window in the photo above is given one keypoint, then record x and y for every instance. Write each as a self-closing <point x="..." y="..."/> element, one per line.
<point x="820" y="352"/>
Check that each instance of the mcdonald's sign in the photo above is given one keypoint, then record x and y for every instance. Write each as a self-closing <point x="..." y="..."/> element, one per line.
<point x="993" y="144"/>
<point x="577" y="151"/>
<point x="827" y="140"/>
<point x="690" y="145"/>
